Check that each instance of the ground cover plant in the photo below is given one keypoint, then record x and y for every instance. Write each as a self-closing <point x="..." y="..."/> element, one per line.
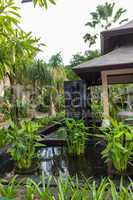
<point x="67" y="188"/>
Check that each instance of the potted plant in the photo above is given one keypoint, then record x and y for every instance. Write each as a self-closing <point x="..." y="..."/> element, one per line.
<point x="23" y="147"/>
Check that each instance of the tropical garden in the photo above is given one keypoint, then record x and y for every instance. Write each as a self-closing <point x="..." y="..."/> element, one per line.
<point x="44" y="155"/>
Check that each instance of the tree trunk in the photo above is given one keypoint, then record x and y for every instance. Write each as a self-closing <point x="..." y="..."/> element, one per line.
<point x="14" y="111"/>
<point x="52" y="107"/>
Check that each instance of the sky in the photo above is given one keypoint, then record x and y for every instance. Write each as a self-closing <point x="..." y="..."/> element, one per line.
<point x="62" y="27"/>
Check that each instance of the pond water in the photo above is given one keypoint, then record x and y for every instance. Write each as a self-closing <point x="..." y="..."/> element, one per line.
<point x="56" y="162"/>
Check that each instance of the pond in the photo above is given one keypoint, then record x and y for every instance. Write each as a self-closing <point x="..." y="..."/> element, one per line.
<point x="56" y="162"/>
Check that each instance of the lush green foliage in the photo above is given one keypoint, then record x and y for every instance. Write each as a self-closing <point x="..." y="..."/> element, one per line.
<point x="79" y="58"/>
<point x="17" y="47"/>
<point x="103" y="18"/>
<point x="44" y="3"/>
<point x="49" y="120"/>
<point x="5" y="137"/>
<point x="77" y="134"/>
<point x="67" y="189"/>
<point x="40" y="190"/>
<point x="47" y="82"/>
<point x="11" y="189"/>
<point x="119" y="144"/>
<point x="24" y="142"/>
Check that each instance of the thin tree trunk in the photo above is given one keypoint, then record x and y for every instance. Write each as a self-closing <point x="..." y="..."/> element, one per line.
<point x="14" y="112"/>
<point x="52" y="107"/>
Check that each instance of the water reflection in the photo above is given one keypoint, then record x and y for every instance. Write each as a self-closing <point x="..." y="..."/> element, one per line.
<point x="56" y="162"/>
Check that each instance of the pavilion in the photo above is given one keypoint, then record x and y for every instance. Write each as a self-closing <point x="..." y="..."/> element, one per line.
<point x="114" y="66"/>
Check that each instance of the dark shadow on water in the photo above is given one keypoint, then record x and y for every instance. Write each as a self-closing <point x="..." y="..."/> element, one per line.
<point x="56" y="162"/>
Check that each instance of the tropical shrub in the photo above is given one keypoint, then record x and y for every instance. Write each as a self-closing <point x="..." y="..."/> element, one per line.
<point x="24" y="142"/>
<point x="4" y="137"/>
<point x="77" y="134"/>
<point x="119" y="144"/>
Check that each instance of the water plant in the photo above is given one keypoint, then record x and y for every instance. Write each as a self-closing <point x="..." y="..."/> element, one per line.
<point x="24" y="142"/>
<point x="77" y="134"/>
<point x="119" y="144"/>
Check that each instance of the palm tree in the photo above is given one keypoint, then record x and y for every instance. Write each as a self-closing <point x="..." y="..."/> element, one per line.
<point x="16" y="45"/>
<point x="102" y="19"/>
<point x="42" y="3"/>
<point x="58" y="77"/>
<point x="47" y="79"/>
<point x="57" y="70"/>
<point x="9" y="18"/>
<point x="38" y="75"/>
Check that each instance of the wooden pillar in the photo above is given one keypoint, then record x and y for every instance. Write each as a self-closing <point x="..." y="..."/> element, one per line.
<point x="105" y="98"/>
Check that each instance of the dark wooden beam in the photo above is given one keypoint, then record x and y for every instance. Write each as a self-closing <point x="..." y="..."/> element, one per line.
<point x="120" y="79"/>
